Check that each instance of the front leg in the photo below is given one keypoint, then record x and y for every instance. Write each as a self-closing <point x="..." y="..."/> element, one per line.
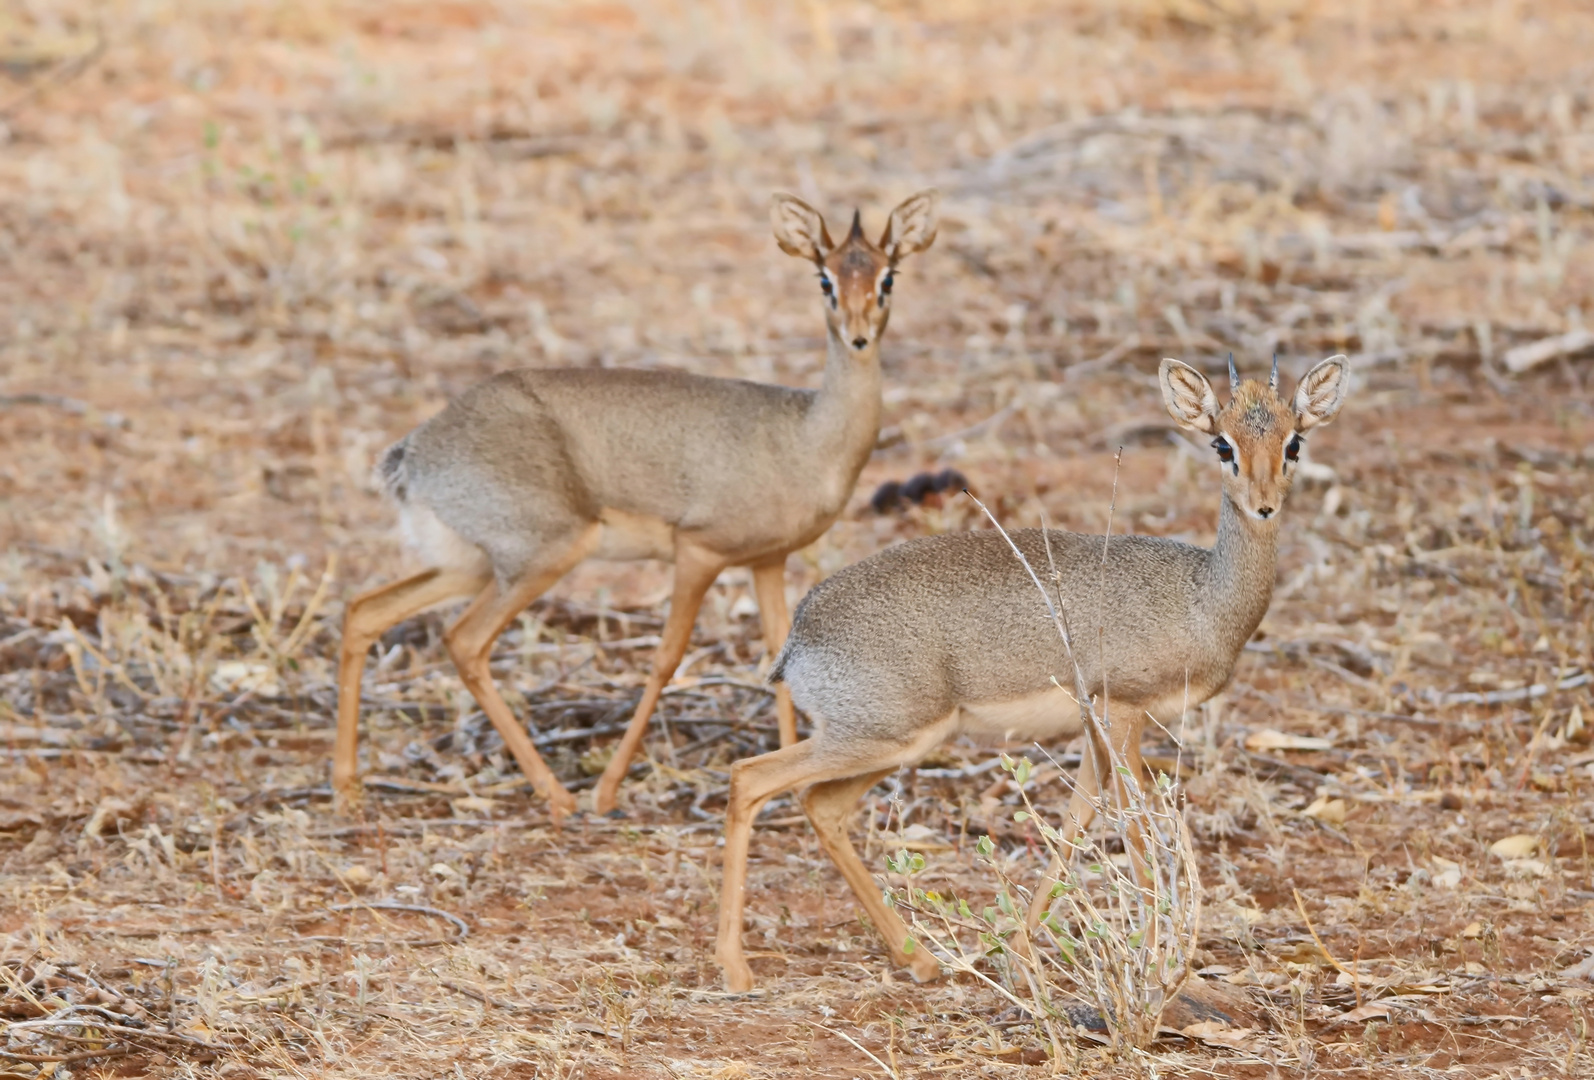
<point x="695" y="570"/>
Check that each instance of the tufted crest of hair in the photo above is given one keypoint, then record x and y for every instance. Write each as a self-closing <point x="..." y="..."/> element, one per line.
<point x="1255" y="412"/>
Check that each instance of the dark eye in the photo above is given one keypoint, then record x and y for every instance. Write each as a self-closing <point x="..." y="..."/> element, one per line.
<point x="885" y="284"/>
<point x="824" y="284"/>
<point x="1293" y="450"/>
<point x="1225" y="451"/>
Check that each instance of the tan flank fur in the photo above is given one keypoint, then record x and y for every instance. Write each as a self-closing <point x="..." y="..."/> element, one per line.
<point x="948" y="635"/>
<point x="530" y="472"/>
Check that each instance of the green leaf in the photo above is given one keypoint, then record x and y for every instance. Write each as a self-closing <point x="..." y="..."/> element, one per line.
<point x="908" y="945"/>
<point x="1022" y="816"/>
<point x="984" y="846"/>
<point x="1022" y="772"/>
<point x="963" y="908"/>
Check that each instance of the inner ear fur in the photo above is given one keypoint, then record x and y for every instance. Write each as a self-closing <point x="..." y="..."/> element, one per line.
<point x="1188" y="396"/>
<point x="1321" y="393"/>
<point x="799" y="228"/>
<point x="912" y="226"/>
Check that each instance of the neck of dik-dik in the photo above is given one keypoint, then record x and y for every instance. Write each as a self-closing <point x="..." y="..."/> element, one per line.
<point x="844" y="421"/>
<point x="1239" y="577"/>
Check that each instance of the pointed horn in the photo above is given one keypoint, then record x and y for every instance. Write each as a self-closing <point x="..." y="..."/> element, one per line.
<point x="857" y="226"/>
<point x="1273" y="379"/>
<point x="1234" y="375"/>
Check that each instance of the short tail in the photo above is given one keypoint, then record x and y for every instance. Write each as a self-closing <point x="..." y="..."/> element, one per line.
<point x="777" y="670"/>
<point x="391" y="474"/>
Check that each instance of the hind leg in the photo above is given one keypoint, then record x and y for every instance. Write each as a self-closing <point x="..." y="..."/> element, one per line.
<point x="470" y="643"/>
<point x="829" y="806"/>
<point x="769" y="584"/>
<point x="754" y="781"/>
<point x="367" y="617"/>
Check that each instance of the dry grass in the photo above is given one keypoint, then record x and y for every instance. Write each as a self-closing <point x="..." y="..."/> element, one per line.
<point x="248" y="243"/>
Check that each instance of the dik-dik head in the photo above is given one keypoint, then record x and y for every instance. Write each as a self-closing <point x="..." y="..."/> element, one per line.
<point x="855" y="276"/>
<point x="1257" y="435"/>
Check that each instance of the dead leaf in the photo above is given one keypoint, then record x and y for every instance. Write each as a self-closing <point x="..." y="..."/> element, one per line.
<point x="1328" y="811"/>
<point x="1373" y="1010"/>
<point x="1519" y="846"/>
<point x="1269" y="739"/>
<point x="1583" y="969"/>
<point x="1217" y="1033"/>
<point x="242" y="676"/>
<point x="1526" y="868"/>
<point x="1303" y="952"/>
<point x="475" y="804"/>
<point x="1447" y="874"/>
<point x="918" y="837"/>
<point x="1473" y="931"/>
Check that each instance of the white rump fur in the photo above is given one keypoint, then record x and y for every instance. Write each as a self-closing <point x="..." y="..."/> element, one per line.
<point x="436" y="544"/>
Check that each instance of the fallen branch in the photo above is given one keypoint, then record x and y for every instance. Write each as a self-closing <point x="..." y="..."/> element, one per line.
<point x="1521" y="693"/>
<point x="1531" y="355"/>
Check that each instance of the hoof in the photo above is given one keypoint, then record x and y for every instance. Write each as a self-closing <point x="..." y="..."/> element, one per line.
<point x="738" y="976"/>
<point x="561" y="804"/>
<point x="925" y="968"/>
<point x="348" y="799"/>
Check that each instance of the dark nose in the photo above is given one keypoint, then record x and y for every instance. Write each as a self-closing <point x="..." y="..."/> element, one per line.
<point x="1264" y="511"/>
<point x="858" y="342"/>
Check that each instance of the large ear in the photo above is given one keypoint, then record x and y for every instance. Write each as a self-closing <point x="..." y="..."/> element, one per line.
<point x="1321" y="393"/>
<point x="911" y="227"/>
<point x="1188" y="396"/>
<point x="799" y="228"/>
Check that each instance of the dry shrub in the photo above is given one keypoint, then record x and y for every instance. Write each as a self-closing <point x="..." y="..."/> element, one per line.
<point x="1120" y="932"/>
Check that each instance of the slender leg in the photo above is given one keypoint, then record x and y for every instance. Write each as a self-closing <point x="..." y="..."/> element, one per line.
<point x="769" y="584"/>
<point x="753" y="782"/>
<point x="1135" y="838"/>
<point x="1125" y="738"/>
<point x="1076" y="819"/>
<point x="695" y="571"/>
<point x="369" y="615"/>
<point x="829" y="806"/>
<point x="470" y="644"/>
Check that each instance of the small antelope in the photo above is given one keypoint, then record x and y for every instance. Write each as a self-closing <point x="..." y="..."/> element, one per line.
<point x="948" y="635"/>
<point x="527" y="474"/>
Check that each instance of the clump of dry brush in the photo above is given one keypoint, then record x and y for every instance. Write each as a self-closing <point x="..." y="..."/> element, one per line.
<point x="1116" y="942"/>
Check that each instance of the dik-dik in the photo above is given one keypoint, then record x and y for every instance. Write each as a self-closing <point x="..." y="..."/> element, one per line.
<point x="530" y="472"/>
<point x="948" y="635"/>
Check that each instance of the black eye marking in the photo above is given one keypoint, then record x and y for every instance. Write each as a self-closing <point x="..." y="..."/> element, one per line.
<point x="825" y="286"/>
<point x="1225" y="451"/>
<point x="1293" y="450"/>
<point x="885" y="288"/>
